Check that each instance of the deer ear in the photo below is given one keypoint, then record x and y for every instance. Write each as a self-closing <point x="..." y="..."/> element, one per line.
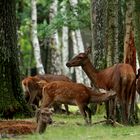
<point x="88" y="50"/>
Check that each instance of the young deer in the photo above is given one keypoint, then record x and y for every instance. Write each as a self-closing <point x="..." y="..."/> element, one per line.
<point x="43" y="118"/>
<point x="33" y="92"/>
<point x="120" y="78"/>
<point x="73" y="94"/>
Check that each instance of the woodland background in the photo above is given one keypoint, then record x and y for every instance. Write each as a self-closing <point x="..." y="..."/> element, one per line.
<point x="43" y="35"/>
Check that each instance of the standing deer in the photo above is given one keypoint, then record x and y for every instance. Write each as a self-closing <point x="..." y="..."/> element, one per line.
<point x="120" y="78"/>
<point x="33" y="91"/>
<point x="73" y="94"/>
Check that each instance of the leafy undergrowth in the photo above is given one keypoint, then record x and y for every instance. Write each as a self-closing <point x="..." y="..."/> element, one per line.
<point x="72" y="127"/>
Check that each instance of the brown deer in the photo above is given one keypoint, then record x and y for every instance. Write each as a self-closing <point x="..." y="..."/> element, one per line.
<point x="120" y="78"/>
<point x="33" y="91"/>
<point x="43" y="118"/>
<point x="73" y="94"/>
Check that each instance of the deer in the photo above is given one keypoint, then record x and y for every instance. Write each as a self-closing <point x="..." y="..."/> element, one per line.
<point x="119" y="77"/>
<point x="33" y="91"/>
<point x="73" y="94"/>
<point x="43" y="118"/>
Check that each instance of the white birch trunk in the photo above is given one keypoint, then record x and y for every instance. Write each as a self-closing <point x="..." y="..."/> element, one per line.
<point x="56" y="57"/>
<point x="78" y="47"/>
<point x="53" y="12"/>
<point x="65" y="43"/>
<point x="35" y="42"/>
<point x="65" y="50"/>
<point x="78" y="70"/>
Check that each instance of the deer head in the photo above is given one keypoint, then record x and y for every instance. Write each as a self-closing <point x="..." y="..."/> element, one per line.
<point x="43" y="118"/>
<point x="79" y="59"/>
<point x="43" y="115"/>
<point x="42" y="83"/>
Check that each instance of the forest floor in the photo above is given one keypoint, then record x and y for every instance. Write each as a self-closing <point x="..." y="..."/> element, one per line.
<point x="68" y="127"/>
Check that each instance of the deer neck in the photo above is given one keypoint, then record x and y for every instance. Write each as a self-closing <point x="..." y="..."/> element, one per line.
<point x="98" y="97"/>
<point x="90" y="71"/>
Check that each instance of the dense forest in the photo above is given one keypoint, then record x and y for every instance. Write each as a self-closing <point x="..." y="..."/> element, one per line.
<point x="65" y="28"/>
<point x="41" y="36"/>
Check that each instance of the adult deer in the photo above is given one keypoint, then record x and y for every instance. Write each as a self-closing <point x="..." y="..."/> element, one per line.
<point x="120" y="78"/>
<point x="33" y="91"/>
<point x="73" y="94"/>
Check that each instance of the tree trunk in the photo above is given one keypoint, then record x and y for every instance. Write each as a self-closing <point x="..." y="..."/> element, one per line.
<point x="11" y="101"/>
<point x="111" y="32"/>
<point x="137" y="29"/>
<point x="129" y="45"/>
<point x="130" y="53"/>
<point x="35" y="41"/>
<point x="78" y="47"/>
<point x="120" y="29"/>
<point x="78" y="70"/>
<point x="65" y="49"/>
<point x="99" y="26"/>
<point x="56" y="61"/>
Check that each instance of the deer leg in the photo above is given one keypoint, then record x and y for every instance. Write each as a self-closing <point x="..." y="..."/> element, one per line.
<point x="124" y="113"/>
<point x="32" y="97"/>
<point x="107" y="109"/>
<point x="83" y="113"/>
<point x="112" y="109"/>
<point x="66" y="108"/>
<point x="89" y="114"/>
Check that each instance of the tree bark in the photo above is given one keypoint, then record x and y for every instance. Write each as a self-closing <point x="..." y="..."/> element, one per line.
<point x="11" y="101"/>
<point x="35" y="41"/>
<point x="130" y="53"/>
<point x="129" y="45"/>
<point x="56" y="61"/>
<point x="98" y="27"/>
<point x="137" y="29"/>
<point x="111" y="32"/>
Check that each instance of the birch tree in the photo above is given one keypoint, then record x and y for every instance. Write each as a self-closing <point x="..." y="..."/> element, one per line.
<point x="35" y="41"/>
<point x="65" y="41"/>
<point x="56" y="61"/>
<point x="78" y="47"/>
<point x="137" y="29"/>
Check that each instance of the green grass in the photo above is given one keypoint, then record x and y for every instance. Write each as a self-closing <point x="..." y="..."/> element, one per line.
<point x="67" y="128"/>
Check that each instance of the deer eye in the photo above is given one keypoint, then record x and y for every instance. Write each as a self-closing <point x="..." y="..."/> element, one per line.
<point x="80" y="57"/>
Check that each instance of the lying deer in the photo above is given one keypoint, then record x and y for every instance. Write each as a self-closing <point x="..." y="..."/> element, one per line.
<point x="120" y="78"/>
<point x="73" y="94"/>
<point x="43" y="118"/>
<point x="33" y="92"/>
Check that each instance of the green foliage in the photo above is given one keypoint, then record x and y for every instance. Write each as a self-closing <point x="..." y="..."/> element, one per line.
<point x="47" y="27"/>
<point x="73" y="17"/>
